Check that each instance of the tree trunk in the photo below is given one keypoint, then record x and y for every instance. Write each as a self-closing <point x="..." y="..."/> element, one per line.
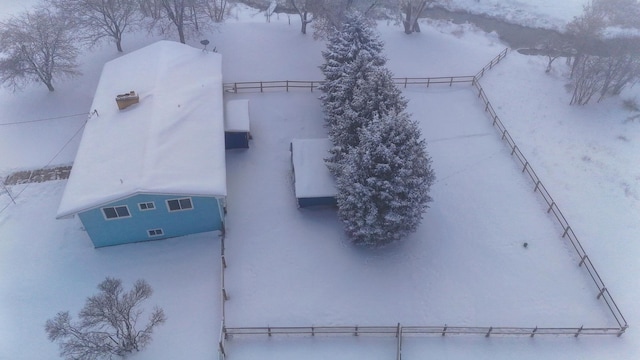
<point x="181" y="34"/>
<point x="407" y="22"/>
<point x="49" y="86"/>
<point x="303" y="18"/>
<point x="416" y="26"/>
<point x="119" y="44"/>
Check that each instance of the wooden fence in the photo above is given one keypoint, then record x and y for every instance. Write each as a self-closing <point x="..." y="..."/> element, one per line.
<point x="491" y="64"/>
<point x="417" y="330"/>
<point x="291" y="85"/>
<point x="401" y="331"/>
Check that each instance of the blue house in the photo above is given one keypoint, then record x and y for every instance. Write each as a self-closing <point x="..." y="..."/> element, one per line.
<point x="313" y="183"/>
<point x="151" y="162"/>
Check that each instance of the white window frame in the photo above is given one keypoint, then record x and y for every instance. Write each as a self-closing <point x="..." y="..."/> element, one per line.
<point x="114" y="208"/>
<point x="178" y="200"/>
<point x="146" y="203"/>
<point x="155" y="232"/>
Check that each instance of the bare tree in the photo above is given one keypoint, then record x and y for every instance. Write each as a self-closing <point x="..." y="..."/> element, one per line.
<point x="100" y="19"/>
<point x="587" y="79"/>
<point x="186" y="16"/>
<point x="217" y="10"/>
<point x="604" y="60"/>
<point x="37" y="46"/>
<point x="331" y="14"/>
<point x="304" y="8"/>
<point x="411" y="10"/>
<point x="108" y="323"/>
<point x="621" y="67"/>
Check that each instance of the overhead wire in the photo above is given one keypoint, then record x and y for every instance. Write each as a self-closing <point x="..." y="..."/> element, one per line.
<point x="44" y="119"/>
<point x="48" y="163"/>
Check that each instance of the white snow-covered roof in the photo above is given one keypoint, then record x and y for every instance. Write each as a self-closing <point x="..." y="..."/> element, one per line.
<point x="312" y="177"/>
<point x="236" y="117"/>
<point x="171" y="142"/>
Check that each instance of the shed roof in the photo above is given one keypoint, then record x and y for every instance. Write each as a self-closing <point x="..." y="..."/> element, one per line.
<point x="236" y="118"/>
<point x="312" y="177"/>
<point x="171" y="142"/>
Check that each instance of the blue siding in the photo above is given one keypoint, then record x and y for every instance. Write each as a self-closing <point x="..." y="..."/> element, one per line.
<point x="206" y="215"/>
<point x="317" y="201"/>
<point x="236" y="140"/>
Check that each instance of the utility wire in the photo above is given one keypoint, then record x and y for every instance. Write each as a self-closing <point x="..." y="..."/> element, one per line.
<point x="45" y="119"/>
<point x="48" y="163"/>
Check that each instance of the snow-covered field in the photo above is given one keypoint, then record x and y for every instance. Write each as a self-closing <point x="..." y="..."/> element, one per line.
<point x="465" y="266"/>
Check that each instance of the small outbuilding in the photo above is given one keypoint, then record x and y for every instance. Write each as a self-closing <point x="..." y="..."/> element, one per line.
<point x="151" y="161"/>
<point x="314" y="184"/>
<point x="236" y="124"/>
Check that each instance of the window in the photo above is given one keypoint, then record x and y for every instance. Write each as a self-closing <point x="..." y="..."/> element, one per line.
<point x="147" y="206"/>
<point x="155" y="232"/>
<point x="116" y="212"/>
<point x="179" y="204"/>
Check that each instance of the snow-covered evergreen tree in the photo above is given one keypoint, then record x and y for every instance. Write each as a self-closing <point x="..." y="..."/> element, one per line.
<point x="384" y="182"/>
<point x="373" y="94"/>
<point x="354" y="40"/>
<point x="382" y="169"/>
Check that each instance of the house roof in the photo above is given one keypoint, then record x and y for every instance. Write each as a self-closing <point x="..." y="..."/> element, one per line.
<point x="312" y="177"/>
<point x="171" y="142"/>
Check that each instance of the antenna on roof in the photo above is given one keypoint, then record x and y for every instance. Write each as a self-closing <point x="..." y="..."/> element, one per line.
<point x="204" y="42"/>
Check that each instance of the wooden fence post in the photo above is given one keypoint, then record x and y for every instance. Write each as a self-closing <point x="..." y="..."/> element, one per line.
<point x="534" y="331"/>
<point x="601" y="292"/>
<point x="579" y="331"/>
<point x="489" y="332"/>
<point x="444" y="331"/>
<point x="221" y="347"/>
<point x="551" y="206"/>
<point x="399" y="349"/>
<point x="582" y="260"/>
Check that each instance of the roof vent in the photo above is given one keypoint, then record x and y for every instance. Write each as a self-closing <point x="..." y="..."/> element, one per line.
<point x="126" y="100"/>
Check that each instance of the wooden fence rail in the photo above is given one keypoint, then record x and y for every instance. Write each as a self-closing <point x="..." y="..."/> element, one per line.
<point x="393" y="330"/>
<point x="291" y="85"/>
<point x="555" y="210"/>
<point x="492" y="63"/>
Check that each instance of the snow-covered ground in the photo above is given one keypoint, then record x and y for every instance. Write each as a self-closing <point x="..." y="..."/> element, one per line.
<point x="465" y="265"/>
